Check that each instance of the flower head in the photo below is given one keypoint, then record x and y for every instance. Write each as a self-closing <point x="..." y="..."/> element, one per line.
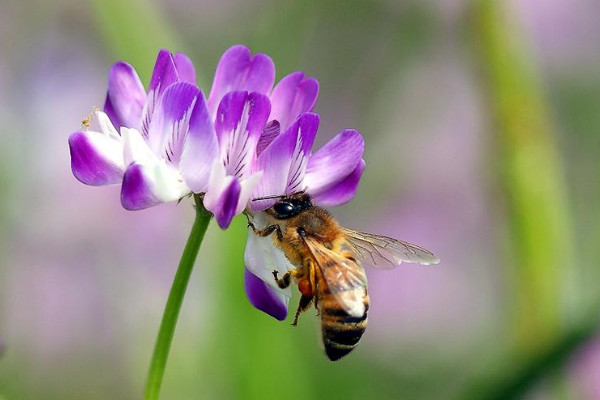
<point x="168" y="142"/>
<point x="101" y="157"/>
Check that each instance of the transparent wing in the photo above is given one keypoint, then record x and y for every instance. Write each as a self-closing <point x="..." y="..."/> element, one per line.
<point x="345" y="278"/>
<point x="384" y="252"/>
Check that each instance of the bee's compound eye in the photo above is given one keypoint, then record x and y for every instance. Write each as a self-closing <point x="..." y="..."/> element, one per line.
<point x="284" y="209"/>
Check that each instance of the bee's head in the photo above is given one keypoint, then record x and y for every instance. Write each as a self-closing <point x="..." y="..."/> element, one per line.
<point x="288" y="206"/>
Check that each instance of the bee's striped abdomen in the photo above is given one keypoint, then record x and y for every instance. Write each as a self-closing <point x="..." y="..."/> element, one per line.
<point x="341" y="331"/>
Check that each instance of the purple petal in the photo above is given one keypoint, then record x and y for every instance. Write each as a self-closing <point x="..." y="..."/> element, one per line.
<point x="200" y="149"/>
<point x="238" y="70"/>
<point x="274" y="162"/>
<point x="168" y="129"/>
<point x="96" y="159"/>
<point x="125" y="97"/>
<point x="137" y="192"/>
<point x="293" y="96"/>
<point x="261" y="258"/>
<point x="225" y="203"/>
<point x="185" y="68"/>
<point x="307" y="126"/>
<point x="340" y="192"/>
<point x="166" y="72"/>
<point x="154" y="182"/>
<point x="241" y="119"/>
<point x="268" y="134"/>
<point x="333" y="162"/>
<point x="264" y="297"/>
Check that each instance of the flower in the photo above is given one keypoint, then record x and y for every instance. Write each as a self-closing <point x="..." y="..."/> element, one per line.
<point x="170" y="142"/>
<point x="97" y="156"/>
<point x="330" y="176"/>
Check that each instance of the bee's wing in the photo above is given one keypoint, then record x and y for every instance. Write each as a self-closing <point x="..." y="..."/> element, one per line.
<point x="384" y="252"/>
<point x="345" y="278"/>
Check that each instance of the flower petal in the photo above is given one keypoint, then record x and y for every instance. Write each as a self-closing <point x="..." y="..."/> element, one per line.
<point x="240" y="121"/>
<point x="307" y="126"/>
<point x="125" y="97"/>
<point x="340" y="192"/>
<point x="170" y="123"/>
<point x="292" y="96"/>
<point x="334" y="161"/>
<point x="200" y="149"/>
<point x="261" y="258"/>
<point x="222" y="195"/>
<point x="274" y="162"/>
<point x="269" y="133"/>
<point x="264" y="297"/>
<point x="166" y="72"/>
<point x="146" y="185"/>
<point x="96" y="158"/>
<point x="247" y="187"/>
<point x="185" y="68"/>
<point x="238" y="70"/>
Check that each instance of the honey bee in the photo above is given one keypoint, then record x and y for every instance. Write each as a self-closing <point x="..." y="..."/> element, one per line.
<point x="328" y="271"/>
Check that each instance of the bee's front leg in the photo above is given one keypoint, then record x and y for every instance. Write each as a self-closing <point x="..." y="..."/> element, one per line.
<point x="267" y="231"/>
<point x="285" y="281"/>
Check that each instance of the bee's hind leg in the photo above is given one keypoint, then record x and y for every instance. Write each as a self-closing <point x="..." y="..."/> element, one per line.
<point x="305" y="302"/>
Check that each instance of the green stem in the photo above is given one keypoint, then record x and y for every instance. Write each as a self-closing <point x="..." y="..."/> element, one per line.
<point x="169" y="320"/>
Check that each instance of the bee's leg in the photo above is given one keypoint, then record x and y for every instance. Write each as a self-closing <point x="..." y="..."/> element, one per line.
<point x="284" y="281"/>
<point x="267" y="231"/>
<point x="304" y="304"/>
<point x="312" y="279"/>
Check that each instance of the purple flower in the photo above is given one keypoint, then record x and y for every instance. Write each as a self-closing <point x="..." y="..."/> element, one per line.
<point x="330" y="176"/>
<point x="142" y="136"/>
<point x="169" y="142"/>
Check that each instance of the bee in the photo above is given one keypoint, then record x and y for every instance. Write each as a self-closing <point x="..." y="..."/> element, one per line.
<point x="328" y="266"/>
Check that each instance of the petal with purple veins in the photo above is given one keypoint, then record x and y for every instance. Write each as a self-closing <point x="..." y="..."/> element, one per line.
<point x="274" y="162"/>
<point x="340" y="192"/>
<point x="269" y="133"/>
<point x="307" y="126"/>
<point x="169" y="126"/>
<point x="125" y="97"/>
<point x="240" y="121"/>
<point x="334" y="161"/>
<point x="238" y="70"/>
<point x="166" y="72"/>
<point x="292" y="96"/>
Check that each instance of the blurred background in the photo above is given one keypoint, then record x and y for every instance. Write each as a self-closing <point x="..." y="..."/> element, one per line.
<point x="482" y="128"/>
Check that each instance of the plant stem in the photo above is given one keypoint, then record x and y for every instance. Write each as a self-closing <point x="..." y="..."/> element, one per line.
<point x="171" y="313"/>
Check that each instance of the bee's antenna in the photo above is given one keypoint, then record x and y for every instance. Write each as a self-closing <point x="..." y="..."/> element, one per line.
<point x="275" y="196"/>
